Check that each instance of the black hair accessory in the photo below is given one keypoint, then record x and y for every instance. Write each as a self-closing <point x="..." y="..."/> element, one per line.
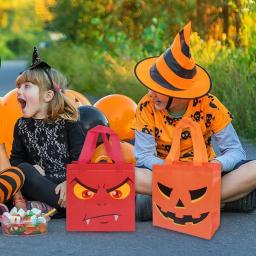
<point x="37" y="63"/>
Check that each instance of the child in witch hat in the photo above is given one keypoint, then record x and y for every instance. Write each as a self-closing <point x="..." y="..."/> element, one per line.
<point x="179" y="87"/>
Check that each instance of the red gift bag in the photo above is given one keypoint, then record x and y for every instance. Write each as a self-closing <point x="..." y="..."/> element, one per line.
<point x="186" y="195"/>
<point x="100" y="196"/>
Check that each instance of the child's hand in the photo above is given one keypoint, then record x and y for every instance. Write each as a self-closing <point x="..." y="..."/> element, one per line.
<point x="21" y="205"/>
<point x="39" y="169"/>
<point x="61" y="189"/>
<point x="19" y="201"/>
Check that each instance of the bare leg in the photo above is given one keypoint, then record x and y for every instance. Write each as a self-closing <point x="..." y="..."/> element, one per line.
<point x="143" y="181"/>
<point x="235" y="184"/>
<point x="239" y="182"/>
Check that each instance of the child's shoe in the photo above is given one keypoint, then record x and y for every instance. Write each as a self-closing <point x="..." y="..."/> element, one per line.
<point x="3" y="208"/>
<point x="44" y="207"/>
<point x="143" y="207"/>
<point x="245" y="204"/>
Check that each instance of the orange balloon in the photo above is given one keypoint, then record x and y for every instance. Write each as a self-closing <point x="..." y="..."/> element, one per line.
<point x="1" y="121"/>
<point x="77" y="98"/>
<point x="10" y="112"/>
<point x="120" y="112"/>
<point x="127" y="152"/>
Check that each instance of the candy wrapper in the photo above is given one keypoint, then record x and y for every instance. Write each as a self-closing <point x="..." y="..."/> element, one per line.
<point x="19" y="222"/>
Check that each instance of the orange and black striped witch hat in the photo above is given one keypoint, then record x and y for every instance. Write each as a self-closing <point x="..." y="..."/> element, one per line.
<point x="175" y="72"/>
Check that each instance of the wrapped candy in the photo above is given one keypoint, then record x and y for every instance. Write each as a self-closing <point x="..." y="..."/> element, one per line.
<point x="19" y="222"/>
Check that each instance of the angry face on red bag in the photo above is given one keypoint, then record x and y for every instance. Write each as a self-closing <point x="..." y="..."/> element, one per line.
<point x="103" y="201"/>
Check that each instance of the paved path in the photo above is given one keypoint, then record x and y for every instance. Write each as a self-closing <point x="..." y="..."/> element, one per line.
<point x="8" y="73"/>
<point x="235" y="237"/>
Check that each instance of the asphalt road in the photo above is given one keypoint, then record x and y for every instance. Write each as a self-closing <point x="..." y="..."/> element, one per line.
<point x="8" y="74"/>
<point x="236" y="235"/>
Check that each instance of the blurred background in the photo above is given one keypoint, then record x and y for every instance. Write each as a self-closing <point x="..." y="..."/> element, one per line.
<point x="96" y="43"/>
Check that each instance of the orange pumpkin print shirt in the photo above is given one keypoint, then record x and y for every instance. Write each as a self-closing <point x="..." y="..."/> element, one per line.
<point x="208" y="111"/>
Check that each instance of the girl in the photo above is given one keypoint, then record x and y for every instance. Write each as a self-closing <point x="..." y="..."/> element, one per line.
<point x="179" y="87"/>
<point x="48" y="135"/>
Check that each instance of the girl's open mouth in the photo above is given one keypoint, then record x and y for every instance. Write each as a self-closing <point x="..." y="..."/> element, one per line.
<point x="22" y="102"/>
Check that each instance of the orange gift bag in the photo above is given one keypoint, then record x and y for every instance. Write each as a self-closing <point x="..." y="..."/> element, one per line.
<point x="100" y="196"/>
<point x="186" y="195"/>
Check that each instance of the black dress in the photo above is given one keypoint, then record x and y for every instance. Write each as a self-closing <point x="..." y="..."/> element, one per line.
<point x="51" y="146"/>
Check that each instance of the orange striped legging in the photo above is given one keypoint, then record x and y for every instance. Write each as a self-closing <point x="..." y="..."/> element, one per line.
<point x="11" y="180"/>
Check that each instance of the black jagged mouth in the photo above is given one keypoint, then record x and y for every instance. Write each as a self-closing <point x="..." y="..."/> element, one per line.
<point x="22" y="102"/>
<point x="185" y="219"/>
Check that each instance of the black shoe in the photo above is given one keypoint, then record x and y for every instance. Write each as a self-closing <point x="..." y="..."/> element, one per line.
<point x="245" y="204"/>
<point x="143" y="207"/>
<point x="60" y="214"/>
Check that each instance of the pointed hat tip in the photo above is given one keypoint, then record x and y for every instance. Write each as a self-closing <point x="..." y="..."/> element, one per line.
<point x="187" y="32"/>
<point x="187" y="27"/>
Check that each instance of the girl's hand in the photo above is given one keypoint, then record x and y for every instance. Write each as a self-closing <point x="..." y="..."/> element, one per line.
<point x="61" y="189"/>
<point x="21" y="205"/>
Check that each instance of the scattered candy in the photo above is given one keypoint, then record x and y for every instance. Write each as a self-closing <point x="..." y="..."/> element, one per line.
<point x="14" y="211"/>
<point x="36" y="211"/>
<point x="21" y="213"/>
<point x="24" y="223"/>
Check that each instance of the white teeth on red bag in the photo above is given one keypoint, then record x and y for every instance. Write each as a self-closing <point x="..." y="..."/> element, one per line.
<point x="89" y="220"/>
<point x="116" y="217"/>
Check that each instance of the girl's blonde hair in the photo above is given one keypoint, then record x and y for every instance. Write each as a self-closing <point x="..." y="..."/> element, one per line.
<point x="60" y="106"/>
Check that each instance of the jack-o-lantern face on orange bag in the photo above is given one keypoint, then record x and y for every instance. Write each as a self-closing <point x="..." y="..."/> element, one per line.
<point x="186" y="198"/>
<point x="186" y="195"/>
<point x="102" y="201"/>
<point x="183" y="201"/>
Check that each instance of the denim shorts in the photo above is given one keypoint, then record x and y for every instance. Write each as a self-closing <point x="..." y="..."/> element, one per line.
<point x="236" y="166"/>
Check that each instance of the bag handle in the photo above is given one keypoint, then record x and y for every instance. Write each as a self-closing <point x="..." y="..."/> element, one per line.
<point x="200" y="153"/>
<point x="89" y="147"/>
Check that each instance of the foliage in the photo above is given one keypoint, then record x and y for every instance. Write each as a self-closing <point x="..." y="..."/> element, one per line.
<point x="104" y="39"/>
<point x="233" y="75"/>
<point x="94" y="74"/>
<point x="21" y="27"/>
<point x="104" y="23"/>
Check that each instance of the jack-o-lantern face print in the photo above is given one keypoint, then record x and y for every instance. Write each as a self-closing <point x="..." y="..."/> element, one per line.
<point x="195" y="196"/>
<point x="181" y="200"/>
<point x="103" y="201"/>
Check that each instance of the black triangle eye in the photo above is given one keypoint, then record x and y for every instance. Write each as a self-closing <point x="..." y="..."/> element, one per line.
<point x="165" y="190"/>
<point x="198" y="193"/>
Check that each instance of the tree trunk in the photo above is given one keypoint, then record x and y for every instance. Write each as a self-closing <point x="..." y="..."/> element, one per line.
<point x="238" y="23"/>
<point x="225" y="13"/>
<point x="200" y="17"/>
